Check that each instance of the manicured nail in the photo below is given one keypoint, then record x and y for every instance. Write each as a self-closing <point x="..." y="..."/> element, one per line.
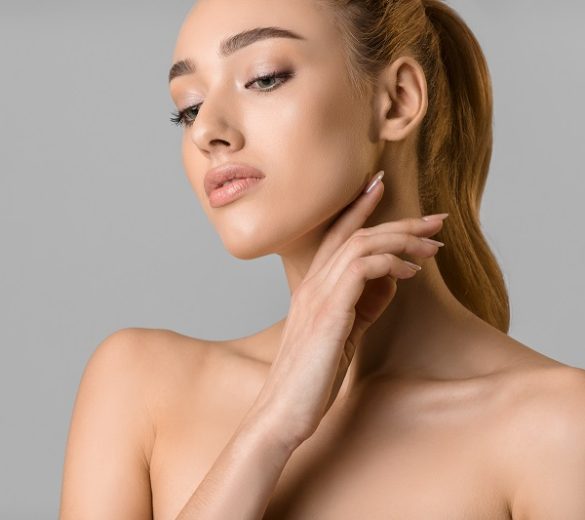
<point x="438" y="216"/>
<point x="434" y="242"/>
<point x="374" y="181"/>
<point x="416" y="267"/>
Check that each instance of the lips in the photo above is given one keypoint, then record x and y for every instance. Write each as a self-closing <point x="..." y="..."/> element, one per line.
<point x="226" y="172"/>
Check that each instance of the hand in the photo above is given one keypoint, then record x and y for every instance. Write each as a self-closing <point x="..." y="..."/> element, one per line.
<point x="332" y="308"/>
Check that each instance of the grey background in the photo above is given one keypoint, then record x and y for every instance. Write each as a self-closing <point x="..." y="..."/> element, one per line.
<point x="100" y="229"/>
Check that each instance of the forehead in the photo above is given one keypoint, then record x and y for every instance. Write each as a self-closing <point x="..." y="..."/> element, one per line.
<point x="210" y="21"/>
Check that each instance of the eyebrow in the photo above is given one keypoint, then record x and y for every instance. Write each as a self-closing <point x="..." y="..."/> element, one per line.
<point x="232" y="44"/>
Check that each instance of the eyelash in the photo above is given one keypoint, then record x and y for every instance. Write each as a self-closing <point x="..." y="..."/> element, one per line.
<point x="180" y="118"/>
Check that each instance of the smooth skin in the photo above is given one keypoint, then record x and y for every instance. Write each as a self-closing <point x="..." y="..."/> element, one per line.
<point x="439" y="415"/>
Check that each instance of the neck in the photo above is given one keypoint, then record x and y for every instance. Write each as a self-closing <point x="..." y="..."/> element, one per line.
<point x="420" y="333"/>
<point x="415" y="335"/>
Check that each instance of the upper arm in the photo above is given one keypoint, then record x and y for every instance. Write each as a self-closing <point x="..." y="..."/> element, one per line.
<point x="551" y="473"/>
<point x="106" y="473"/>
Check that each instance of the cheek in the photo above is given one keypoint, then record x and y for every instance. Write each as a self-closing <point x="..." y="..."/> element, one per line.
<point x="313" y="147"/>
<point x="319" y="150"/>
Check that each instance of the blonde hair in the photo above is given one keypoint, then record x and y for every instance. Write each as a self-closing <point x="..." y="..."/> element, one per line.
<point x="455" y="141"/>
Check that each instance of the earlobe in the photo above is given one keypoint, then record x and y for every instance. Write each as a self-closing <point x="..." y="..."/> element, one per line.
<point x="404" y="99"/>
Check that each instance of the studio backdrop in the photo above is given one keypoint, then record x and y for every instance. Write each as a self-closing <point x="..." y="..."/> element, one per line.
<point x="100" y="229"/>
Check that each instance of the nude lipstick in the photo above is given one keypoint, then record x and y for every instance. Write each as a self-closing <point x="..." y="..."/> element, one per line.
<point x="229" y="182"/>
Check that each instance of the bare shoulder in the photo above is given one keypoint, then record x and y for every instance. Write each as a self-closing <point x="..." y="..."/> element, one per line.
<point x="181" y="372"/>
<point x="113" y="426"/>
<point x="544" y="396"/>
<point x="169" y="346"/>
<point x="160" y="351"/>
<point x="153" y="355"/>
<point x="537" y="381"/>
<point x="543" y="441"/>
<point x="160" y="362"/>
<point x="147" y="341"/>
<point x="163" y="359"/>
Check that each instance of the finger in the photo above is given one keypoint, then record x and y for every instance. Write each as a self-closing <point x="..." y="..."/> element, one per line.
<point x="389" y="243"/>
<point x="351" y="283"/>
<point x="350" y="219"/>
<point x="415" y="226"/>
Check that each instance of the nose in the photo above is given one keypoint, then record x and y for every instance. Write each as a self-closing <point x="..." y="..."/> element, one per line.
<point x="214" y="128"/>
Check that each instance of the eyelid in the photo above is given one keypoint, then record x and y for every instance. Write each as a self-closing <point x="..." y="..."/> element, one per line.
<point x="285" y="74"/>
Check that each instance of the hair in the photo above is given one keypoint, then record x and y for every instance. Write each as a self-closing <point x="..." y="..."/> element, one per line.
<point x="454" y="145"/>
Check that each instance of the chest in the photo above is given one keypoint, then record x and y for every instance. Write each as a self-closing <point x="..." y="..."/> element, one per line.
<point x="416" y="468"/>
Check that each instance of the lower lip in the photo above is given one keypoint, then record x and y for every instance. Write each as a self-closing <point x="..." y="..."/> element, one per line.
<point x="232" y="191"/>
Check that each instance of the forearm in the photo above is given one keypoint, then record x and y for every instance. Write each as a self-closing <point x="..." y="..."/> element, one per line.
<point x="241" y="481"/>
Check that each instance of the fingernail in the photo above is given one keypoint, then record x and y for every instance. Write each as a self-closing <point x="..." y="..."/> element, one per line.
<point x="438" y="216"/>
<point x="434" y="242"/>
<point x="374" y="181"/>
<point x="416" y="267"/>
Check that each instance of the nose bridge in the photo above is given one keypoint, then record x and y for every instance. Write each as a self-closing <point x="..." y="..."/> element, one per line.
<point x="215" y="119"/>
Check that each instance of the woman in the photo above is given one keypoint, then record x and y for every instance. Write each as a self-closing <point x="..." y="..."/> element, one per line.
<point x="389" y="390"/>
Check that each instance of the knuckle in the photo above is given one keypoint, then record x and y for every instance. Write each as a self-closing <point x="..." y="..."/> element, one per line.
<point x="402" y="242"/>
<point x="360" y="232"/>
<point x="394" y="262"/>
<point x="357" y="266"/>
<point x="356" y="243"/>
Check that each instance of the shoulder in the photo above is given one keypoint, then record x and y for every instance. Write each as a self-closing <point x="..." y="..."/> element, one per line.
<point x="137" y="361"/>
<point x="145" y="341"/>
<point x="545" y="443"/>
<point x="153" y="352"/>
<point x="133" y="382"/>
<point x="152" y="366"/>
<point x="153" y="358"/>
<point x="552" y="398"/>
<point x="171" y="368"/>
<point x="113" y="426"/>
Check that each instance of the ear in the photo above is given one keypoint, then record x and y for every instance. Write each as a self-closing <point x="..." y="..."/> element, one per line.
<point x="402" y="99"/>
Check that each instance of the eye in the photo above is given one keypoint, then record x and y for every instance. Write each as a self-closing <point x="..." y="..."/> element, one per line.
<point x="271" y="77"/>
<point x="184" y="117"/>
<point x="187" y="116"/>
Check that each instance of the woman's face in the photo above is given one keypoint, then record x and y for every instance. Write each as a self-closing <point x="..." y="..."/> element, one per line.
<point x="303" y="131"/>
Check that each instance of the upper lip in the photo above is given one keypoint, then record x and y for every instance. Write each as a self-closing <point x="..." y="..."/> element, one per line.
<point x="225" y="172"/>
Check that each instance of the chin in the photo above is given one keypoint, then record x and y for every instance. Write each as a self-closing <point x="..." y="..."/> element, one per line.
<point x="248" y="228"/>
<point x="246" y="250"/>
<point x="245" y="240"/>
<point x="257" y="238"/>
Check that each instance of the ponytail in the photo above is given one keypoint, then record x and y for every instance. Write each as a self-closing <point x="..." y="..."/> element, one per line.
<point x="455" y="140"/>
<point x="460" y="166"/>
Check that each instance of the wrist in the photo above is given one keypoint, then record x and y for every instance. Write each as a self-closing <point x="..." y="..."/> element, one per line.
<point x="263" y="425"/>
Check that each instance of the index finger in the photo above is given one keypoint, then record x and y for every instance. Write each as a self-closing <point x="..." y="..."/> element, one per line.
<point x="350" y="219"/>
